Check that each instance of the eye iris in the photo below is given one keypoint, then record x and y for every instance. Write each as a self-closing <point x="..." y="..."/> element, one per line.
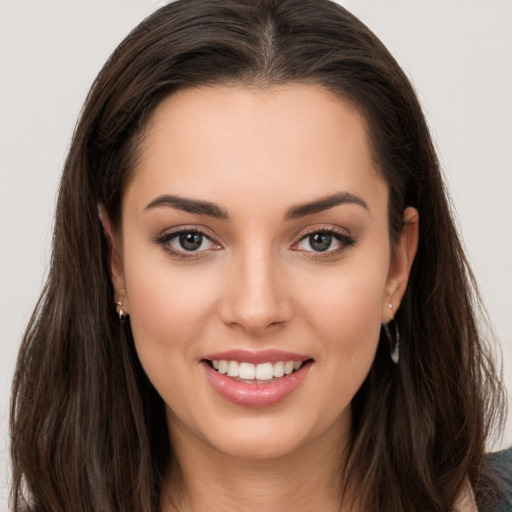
<point x="320" y="241"/>
<point x="191" y="241"/>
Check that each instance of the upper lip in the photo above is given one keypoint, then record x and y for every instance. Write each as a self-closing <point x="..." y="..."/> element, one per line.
<point x="256" y="357"/>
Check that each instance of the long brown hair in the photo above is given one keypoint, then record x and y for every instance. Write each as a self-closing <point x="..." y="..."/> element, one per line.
<point x="88" y="429"/>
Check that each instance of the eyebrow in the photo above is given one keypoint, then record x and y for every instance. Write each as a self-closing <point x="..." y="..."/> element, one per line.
<point x="199" y="207"/>
<point x="317" y="206"/>
<point x="189" y="205"/>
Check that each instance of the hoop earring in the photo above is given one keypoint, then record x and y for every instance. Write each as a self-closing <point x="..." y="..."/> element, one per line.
<point x="124" y="320"/>
<point x="393" y="338"/>
<point x="120" y="312"/>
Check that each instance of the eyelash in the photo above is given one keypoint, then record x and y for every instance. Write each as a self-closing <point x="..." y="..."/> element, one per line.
<point x="166" y="239"/>
<point x="344" y="240"/>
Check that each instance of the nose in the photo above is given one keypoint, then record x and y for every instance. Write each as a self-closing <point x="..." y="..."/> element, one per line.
<point x="256" y="296"/>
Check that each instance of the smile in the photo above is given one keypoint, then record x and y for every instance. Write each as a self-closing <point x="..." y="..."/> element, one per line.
<point x="261" y="372"/>
<point x="256" y="379"/>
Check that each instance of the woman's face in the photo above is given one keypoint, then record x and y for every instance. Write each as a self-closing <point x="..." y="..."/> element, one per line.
<point x="254" y="239"/>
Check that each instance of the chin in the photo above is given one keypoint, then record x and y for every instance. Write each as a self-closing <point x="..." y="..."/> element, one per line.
<point x="259" y="446"/>
<point x="269" y="436"/>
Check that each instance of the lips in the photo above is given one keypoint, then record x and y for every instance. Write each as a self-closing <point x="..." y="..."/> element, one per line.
<point x="255" y="379"/>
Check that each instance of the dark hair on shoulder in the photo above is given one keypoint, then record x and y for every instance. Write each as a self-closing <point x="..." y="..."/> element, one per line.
<point x="88" y="429"/>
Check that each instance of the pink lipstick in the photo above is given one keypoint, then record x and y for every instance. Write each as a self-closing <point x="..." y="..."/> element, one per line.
<point x="255" y="379"/>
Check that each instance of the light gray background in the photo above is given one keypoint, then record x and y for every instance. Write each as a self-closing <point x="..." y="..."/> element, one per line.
<point x="457" y="53"/>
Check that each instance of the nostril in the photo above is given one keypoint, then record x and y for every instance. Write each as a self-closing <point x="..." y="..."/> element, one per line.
<point x="255" y="324"/>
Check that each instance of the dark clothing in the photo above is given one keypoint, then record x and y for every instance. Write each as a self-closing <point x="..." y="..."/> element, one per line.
<point x="501" y="462"/>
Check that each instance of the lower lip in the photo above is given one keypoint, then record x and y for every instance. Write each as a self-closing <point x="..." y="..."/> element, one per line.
<point x="259" y="394"/>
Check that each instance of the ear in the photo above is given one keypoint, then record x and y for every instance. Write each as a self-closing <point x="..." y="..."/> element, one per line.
<point x="116" y="262"/>
<point x="402" y="258"/>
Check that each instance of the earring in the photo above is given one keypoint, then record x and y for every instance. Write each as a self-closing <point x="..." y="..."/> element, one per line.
<point x="120" y="312"/>
<point x="394" y="340"/>
<point x="124" y="320"/>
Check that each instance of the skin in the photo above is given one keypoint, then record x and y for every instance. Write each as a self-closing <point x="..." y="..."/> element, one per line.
<point x="258" y="284"/>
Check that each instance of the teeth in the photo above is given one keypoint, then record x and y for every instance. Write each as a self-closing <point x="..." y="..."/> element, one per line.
<point x="246" y="371"/>
<point x="233" y="368"/>
<point x="263" y="371"/>
<point x="223" y="366"/>
<point x="279" y="369"/>
<point x="288" y="367"/>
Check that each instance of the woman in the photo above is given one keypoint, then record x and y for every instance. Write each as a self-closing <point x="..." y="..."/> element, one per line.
<point x="257" y="295"/>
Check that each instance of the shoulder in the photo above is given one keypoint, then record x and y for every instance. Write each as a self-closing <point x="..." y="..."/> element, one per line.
<point x="501" y="459"/>
<point x="501" y="464"/>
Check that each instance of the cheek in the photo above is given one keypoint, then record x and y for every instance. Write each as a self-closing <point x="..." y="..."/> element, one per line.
<point x="166" y="304"/>
<point x="345" y="312"/>
<point x="169" y="307"/>
<point x="167" y="317"/>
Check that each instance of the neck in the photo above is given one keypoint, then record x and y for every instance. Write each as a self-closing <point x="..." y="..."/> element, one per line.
<point x="308" y="478"/>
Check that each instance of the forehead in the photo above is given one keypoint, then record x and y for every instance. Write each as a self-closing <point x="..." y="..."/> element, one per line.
<point x="295" y="140"/>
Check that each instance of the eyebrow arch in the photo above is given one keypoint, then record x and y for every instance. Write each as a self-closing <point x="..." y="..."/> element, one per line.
<point x="303" y="209"/>
<point x="188" y="205"/>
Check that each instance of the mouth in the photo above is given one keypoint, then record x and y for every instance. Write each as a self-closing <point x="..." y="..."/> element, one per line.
<point x="256" y="379"/>
<point x="243" y="371"/>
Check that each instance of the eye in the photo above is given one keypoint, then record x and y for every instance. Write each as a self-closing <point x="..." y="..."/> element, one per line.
<point x="187" y="243"/>
<point x="326" y="241"/>
<point x="191" y="241"/>
<point x="318" y="242"/>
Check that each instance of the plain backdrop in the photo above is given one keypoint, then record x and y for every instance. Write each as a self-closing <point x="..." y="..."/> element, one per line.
<point x="458" y="54"/>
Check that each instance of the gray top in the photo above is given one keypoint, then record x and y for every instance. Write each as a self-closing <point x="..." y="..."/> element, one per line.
<point x="501" y="462"/>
